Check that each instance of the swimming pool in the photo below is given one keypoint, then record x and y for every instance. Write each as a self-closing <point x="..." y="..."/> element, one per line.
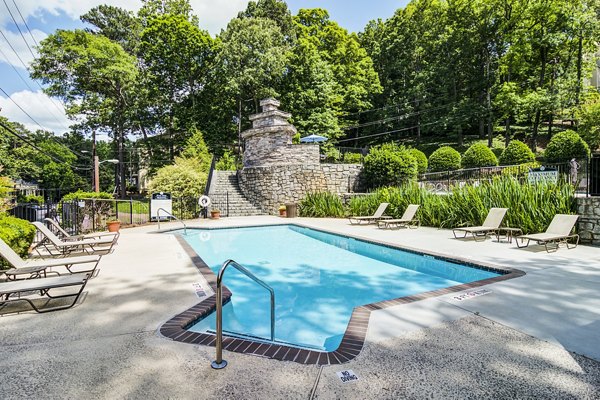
<point x="318" y="278"/>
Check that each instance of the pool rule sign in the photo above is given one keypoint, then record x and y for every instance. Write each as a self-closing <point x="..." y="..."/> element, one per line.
<point x="161" y="201"/>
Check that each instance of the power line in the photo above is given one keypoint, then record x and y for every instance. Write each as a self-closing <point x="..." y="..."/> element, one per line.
<point x="25" y="23"/>
<point x="16" y="70"/>
<point x="17" y="25"/>
<point x="381" y="121"/>
<point x="387" y="133"/>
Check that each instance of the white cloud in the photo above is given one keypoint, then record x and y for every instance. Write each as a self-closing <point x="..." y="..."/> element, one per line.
<point x="215" y="14"/>
<point x="16" y="41"/>
<point x="47" y="112"/>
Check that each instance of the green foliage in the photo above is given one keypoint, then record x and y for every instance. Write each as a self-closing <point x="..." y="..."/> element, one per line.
<point x="531" y="207"/>
<point x="515" y="153"/>
<point x="353" y="158"/>
<point x="479" y="155"/>
<point x="332" y="154"/>
<point x="16" y="233"/>
<point x="6" y="188"/>
<point x="30" y="199"/>
<point x="321" y="205"/>
<point x="566" y="145"/>
<point x="389" y="164"/>
<point x="226" y="162"/>
<point x="80" y="194"/>
<point x="444" y="159"/>
<point x="421" y="159"/>
<point x="589" y="121"/>
<point x="185" y="178"/>
<point x="520" y="170"/>
<point x="196" y="148"/>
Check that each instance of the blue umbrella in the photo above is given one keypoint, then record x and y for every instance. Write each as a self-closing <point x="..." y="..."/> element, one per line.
<point x="312" y="139"/>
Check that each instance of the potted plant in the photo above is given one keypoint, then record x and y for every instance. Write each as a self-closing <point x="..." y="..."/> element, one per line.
<point x="215" y="213"/>
<point x="282" y="210"/>
<point x="113" y="224"/>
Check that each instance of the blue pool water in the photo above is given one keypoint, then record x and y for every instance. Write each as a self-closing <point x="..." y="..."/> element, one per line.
<point x="318" y="279"/>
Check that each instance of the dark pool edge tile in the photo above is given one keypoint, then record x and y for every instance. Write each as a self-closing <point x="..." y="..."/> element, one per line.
<point x="354" y="336"/>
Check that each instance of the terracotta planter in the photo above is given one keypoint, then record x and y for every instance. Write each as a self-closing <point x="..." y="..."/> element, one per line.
<point x="113" y="226"/>
<point x="282" y="213"/>
<point x="215" y="214"/>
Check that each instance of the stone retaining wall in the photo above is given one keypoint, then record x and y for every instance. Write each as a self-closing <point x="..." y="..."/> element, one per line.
<point x="588" y="209"/>
<point x="266" y="152"/>
<point x="274" y="185"/>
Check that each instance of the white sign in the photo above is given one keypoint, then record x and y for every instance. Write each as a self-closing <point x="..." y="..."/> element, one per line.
<point x="470" y="295"/>
<point x="542" y="175"/>
<point x="347" y="376"/>
<point x="158" y="201"/>
<point x="199" y="290"/>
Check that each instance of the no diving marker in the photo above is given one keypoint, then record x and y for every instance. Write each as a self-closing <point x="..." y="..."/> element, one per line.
<point x="470" y="295"/>
<point x="347" y="376"/>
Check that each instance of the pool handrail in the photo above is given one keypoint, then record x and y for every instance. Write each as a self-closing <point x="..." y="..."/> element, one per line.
<point x="170" y="215"/>
<point x="219" y="363"/>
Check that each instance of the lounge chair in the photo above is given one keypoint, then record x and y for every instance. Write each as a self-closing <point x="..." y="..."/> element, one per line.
<point x="27" y="269"/>
<point x="66" y="237"/>
<point x="559" y="231"/>
<point x="372" y="218"/>
<point x="489" y="227"/>
<point x="43" y="285"/>
<point x="407" y="219"/>
<point x="52" y="242"/>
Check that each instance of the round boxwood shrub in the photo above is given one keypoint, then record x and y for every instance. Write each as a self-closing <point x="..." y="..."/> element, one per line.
<point x="479" y="155"/>
<point x="421" y="159"/>
<point x="388" y="165"/>
<point x="515" y="153"/>
<point x="444" y="159"/>
<point x="17" y="233"/>
<point x="566" y="145"/>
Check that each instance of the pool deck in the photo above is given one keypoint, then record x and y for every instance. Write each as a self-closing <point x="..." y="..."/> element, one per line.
<point x="533" y="336"/>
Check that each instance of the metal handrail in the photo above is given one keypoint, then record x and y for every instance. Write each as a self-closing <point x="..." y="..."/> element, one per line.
<point x="170" y="215"/>
<point x="219" y="363"/>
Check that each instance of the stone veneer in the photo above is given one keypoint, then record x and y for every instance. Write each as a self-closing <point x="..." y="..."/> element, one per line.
<point x="588" y="209"/>
<point x="272" y="186"/>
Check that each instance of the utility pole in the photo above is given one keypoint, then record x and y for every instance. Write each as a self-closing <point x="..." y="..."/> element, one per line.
<point x="96" y="164"/>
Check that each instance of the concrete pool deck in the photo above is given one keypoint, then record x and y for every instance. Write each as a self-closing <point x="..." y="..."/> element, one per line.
<point x="533" y="336"/>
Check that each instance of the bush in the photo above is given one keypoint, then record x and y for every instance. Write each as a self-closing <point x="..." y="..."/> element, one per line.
<point x="421" y="159"/>
<point x="515" y="153"/>
<point x="566" y="145"/>
<point x="353" y="158"/>
<point x="520" y="170"/>
<point x="6" y="188"/>
<point x="444" y="159"/>
<point x="321" y="205"/>
<point x="30" y="199"/>
<point x="226" y="162"/>
<point x="332" y="154"/>
<point x="588" y="116"/>
<point x="479" y="155"/>
<point x="79" y="195"/>
<point x="389" y="164"/>
<point x="182" y="179"/>
<point x="16" y="233"/>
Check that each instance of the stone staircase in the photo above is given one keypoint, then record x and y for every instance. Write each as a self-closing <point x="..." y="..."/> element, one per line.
<point x="226" y="195"/>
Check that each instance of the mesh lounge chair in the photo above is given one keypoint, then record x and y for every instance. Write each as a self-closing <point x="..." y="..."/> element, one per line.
<point x="66" y="237"/>
<point x="372" y="218"/>
<point x="559" y="231"/>
<point x="407" y="219"/>
<point x="489" y="227"/>
<point x="27" y="269"/>
<point x="52" y="242"/>
<point x="8" y="290"/>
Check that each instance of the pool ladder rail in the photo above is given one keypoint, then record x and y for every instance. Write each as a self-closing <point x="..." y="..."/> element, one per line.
<point x="172" y="216"/>
<point x="219" y="363"/>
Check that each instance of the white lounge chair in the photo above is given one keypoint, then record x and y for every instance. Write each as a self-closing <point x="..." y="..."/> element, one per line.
<point x="407" y="219"/>
<point x="65" y="247"/>
<point x="26" y="269"/>
<point x="371" y="219"/>
<point x="66" y="237"/>
<point x="490" y="225"/>
<point x="559" y="231"/>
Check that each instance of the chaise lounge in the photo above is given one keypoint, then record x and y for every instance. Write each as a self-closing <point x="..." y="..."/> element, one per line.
<point x="66" y="237"/>
<point x="407" y="219"/>
<point x="65" y="247"/>
<point x="489" y="227"/>
<point x="559" y="231"/>
<point x="28" y="269"/>
<point x="371" y="219"/>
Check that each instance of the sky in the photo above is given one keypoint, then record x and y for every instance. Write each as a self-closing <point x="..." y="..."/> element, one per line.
<point x="22" y="99"/>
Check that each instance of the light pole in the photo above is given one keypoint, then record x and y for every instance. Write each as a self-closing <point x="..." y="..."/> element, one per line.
<point x="97" y="163"/>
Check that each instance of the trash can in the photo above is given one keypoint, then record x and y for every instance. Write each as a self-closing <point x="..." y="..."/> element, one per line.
<point x="290" y="210"/>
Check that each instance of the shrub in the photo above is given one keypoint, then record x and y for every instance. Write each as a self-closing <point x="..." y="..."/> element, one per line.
<point x="389" y="164"/>
<point x="30" y="199"/>
<point x="515" y="153"/>
<point x="182" y="179"/>
<point x="566" y="145"/>
<point x="520" y="170"/>
<point x="17" y="233"/>
<point x="78" y="195"/>
<point x="332" y="154"/>
<point x="479" y="155"/>
<point x="421" y="159"/>
<point x="444" y="159"/>
<point x="588" y="116"/>
<point x="321" y="205"/>
<point x="226" y="162"/>
<point x="353" y="158"/>
<point x="6" y="187"/>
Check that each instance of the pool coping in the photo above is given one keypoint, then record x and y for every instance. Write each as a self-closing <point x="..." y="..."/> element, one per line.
<point x="356" y="331"/>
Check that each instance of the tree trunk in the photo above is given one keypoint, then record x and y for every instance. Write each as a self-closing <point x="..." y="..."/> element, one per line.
<point x="550" y="125"/>
<point x="123" y="189"/>
<point x="506" y="132"/>
<point x="538" y="113"/>
<point x="481" y="128"/>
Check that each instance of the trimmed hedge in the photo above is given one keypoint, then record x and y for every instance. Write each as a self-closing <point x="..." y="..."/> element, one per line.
<point x="17" y="233"/>
<point x="444" y="159"/>
<point x="80" y="194"/>
<point x="516" y="153"/>
<point x="421" y="159"/>
<point x="389" y="164"/>
<point x="479" y="155"/>
<point x="566" y="145"/>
